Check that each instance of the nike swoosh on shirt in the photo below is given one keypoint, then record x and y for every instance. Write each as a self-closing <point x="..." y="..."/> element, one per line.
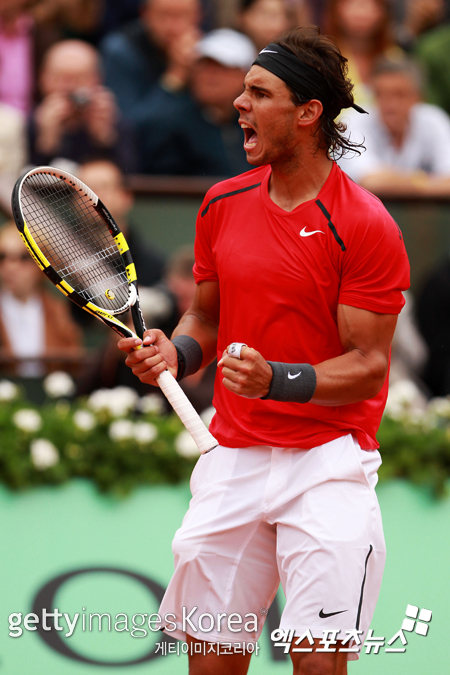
<point x="268" y="51"/>
<point x="325" y="616"/>
<point x="304" y="233"/>
<point x="292" y="377"/>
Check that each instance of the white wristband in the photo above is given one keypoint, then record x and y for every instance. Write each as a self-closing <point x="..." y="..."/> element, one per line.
<point x="235" y="349"/>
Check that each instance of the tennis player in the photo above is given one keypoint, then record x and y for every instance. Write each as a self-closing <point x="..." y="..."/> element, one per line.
<point x="299" y="274"/>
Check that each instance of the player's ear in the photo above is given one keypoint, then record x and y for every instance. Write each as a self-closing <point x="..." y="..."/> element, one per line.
<point x="310" y="112"/>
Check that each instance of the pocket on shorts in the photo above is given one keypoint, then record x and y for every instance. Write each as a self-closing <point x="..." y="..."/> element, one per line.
<point x="342" y="460"/>
<point x="199" y="472"/>
<point x="367" y="471"/>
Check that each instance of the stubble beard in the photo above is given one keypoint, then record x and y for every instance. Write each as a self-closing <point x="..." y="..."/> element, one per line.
<point x="283" y="154"/>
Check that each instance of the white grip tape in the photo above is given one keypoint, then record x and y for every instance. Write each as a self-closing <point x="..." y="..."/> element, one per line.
<point x="185" y="411"/>
<point x="235" y="349"/>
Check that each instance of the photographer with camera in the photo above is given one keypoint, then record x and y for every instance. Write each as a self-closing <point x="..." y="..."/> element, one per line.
<point x="77" y="118"/>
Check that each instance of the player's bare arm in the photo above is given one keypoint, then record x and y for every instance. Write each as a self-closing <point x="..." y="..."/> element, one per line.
<point x="201" y="321"/>
<point x="354" y="376"/>
<point x="360" y="373"/>
<point x="158" y="353"/>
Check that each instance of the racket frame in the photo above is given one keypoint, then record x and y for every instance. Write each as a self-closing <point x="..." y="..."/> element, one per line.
<point x="108" y="317"/>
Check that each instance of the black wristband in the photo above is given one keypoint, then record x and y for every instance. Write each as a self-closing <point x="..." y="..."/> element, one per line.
<point x="294" y="382"/>
<point x="190" y="355"/>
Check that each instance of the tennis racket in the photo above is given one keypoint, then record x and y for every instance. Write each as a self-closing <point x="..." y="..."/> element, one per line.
<point x="75" y="241"/>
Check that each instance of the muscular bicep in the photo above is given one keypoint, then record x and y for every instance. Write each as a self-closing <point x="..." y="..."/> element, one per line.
<point x="360" y="372"/>
<point x="206" y="303"/>
<point x="369" y="332"/>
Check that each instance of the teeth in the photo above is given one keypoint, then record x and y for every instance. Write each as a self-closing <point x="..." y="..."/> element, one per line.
<point x="244" y="126"/>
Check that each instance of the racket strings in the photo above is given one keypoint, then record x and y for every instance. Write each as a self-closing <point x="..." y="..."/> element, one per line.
<point x="75" y="240"/>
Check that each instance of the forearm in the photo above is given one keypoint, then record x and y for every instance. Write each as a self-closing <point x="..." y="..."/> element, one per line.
<point x="349" y="378"/>
<point x="392" y="183"/>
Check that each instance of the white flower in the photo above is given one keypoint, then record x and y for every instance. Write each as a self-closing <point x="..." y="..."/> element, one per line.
<point x="185" y="445"/>
<point x="59" y="384"/>
<point x="8" y="390"/>
<point x="84" y="420"/>
<point x="405" y="400"/>
<point x="144" y="432"/>
<point x="121" y="430"/>
<point x="43" y="454"/>
<point x="437" y="412"/>
<point x="118" y="402"/>
<point x="439" y="407"/>
<point x="98" y="400"/>
<point x="122" y="400"/>
<point x="151" y="403"/>
<point x="27" y="420"/>
<point x="207" y="415"/>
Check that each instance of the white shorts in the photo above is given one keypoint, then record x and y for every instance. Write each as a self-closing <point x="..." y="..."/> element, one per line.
<point x="261" y="515"/>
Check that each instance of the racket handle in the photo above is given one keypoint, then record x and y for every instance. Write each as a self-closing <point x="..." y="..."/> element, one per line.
<point x="185" y="411"/>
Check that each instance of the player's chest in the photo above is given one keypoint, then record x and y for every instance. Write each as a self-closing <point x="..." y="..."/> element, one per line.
<point x="293" y="251"/>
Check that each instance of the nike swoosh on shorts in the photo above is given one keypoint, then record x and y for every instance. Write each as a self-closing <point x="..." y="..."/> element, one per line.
<point x="325" y="616"/>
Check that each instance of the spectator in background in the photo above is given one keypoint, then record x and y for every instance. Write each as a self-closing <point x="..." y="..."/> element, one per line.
<point x="34" y="324"/>
<point x="408" y="142"/>
<point x="16" y="54"/>
<point x="158" y="49"/>
<point x="78" y="117"/>
<point x="363" y="30"/>
<point x="197" y="133"/>
<point x="107" y="181"/>
<point x="262" y="20"/>
<point x="300" y="12"/>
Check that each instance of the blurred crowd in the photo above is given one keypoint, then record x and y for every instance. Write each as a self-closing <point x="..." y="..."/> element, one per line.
<point x="150" y="84"/>
<point x="108" y="88"/>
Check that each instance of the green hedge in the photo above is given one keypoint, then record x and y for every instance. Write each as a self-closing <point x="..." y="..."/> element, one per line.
<point x="120" y="441"/>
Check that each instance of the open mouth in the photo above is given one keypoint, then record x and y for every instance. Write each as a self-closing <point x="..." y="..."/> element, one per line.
<point x="251" y="137"/>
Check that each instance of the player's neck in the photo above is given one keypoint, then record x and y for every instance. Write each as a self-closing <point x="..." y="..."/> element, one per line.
<point x="290" y="186"/>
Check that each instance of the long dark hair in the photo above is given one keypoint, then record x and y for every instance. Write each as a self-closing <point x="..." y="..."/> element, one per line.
<point x="323" y="54"/>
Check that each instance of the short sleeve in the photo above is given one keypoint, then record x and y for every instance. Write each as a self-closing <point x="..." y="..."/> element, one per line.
<point x="375" y="269"/>
<point x="204" y="267"/>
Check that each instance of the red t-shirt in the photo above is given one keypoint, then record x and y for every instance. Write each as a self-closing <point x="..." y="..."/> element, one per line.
<point x="281" y="277"/>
